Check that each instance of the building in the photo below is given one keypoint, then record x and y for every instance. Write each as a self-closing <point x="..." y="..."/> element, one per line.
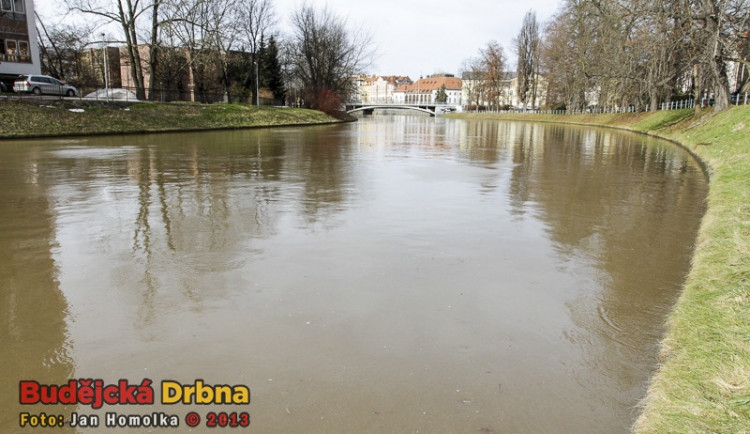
<point x="425" y="90"/>
<point x="19" y="51"/>
<point x="175" y="79"/>
<point x="92" y="71"/>
<point x="477" y="94"/>
<point x="374" y="89"/>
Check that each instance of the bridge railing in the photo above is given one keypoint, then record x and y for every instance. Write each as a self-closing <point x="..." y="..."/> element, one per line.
<point x="394" y="103"/>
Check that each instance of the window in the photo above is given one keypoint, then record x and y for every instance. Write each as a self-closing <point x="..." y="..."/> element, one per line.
<point x="23" y="51"/>
<point x="6" y="5"/>
<point x="18" y="6"/>
<point x="11" y="47"/>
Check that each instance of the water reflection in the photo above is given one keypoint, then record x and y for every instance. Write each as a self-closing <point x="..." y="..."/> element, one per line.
<point x="398" y="274"/>
<point x="615" y="207"/>
<point x="34" y="341"/>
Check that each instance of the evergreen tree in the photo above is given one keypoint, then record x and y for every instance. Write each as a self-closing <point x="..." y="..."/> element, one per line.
<point x="261" y="58"/>
<point x="271" y="73"/>
<point x="442" y="95"/>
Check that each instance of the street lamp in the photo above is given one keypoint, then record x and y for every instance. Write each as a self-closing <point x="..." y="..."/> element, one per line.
<point x="257" y="100"/>
<point x="106" y="71"/>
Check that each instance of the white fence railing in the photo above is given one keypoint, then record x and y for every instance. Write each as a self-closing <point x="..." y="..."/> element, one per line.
<point x="735" y="99"/>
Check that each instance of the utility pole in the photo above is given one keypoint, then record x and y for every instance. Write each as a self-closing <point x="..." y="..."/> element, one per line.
<point x="106" y="70"/>
<point x="257" y="99"/>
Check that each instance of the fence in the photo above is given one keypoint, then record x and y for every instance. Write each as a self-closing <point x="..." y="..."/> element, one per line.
<point x="128" y="94"/>
<point x="735" y="99"/>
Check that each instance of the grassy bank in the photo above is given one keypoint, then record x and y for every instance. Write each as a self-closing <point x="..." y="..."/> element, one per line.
<point x="35" y="118"/>
<point x="703" y="384"/>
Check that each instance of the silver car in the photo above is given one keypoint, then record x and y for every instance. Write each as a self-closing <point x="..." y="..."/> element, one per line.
<point x="43" y="84"/>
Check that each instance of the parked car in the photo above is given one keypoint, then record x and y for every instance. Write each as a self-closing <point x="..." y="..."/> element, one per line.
<point x="39" y="84"/>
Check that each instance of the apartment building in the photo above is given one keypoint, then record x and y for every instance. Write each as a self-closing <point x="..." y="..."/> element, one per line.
<point x="477" y="92"/>
<point x="425" y="90"/>
<point x="374" y="89"/>
<point x="19" y="51"/>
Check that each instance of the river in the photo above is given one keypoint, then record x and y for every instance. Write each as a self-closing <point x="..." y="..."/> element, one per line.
<point x="398" y="274"/>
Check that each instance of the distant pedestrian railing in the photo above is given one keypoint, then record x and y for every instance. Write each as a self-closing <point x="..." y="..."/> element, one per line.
<point x="735" y="99"/>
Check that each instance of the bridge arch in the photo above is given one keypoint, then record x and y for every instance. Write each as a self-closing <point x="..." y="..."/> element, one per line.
<point x="391" y="106"/>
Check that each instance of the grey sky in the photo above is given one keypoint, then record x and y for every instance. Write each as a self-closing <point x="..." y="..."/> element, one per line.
<point x="415" y="37"/>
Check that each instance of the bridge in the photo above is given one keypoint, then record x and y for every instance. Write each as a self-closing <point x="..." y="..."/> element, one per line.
<point x="432" y="108"/>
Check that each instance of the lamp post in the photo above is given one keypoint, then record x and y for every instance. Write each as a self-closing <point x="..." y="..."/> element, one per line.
<point x="257" y="100"/>
<point x="106" y="70"/>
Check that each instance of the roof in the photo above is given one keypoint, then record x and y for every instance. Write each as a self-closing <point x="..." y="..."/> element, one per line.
<point x="391" y="79"/>
<point x="432" y="83"/>
<point x="477" y="75"/>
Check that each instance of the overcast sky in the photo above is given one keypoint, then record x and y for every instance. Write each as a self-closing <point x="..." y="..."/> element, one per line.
<point x="414" y="37"/>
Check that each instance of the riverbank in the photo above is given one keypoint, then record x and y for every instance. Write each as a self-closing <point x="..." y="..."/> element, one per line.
<point x="41" y="118"/>
<point x="703" y="383"/>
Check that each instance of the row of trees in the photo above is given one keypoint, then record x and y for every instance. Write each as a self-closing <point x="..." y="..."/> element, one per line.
<point x="643" y="52"/>
<point x="636" y="53"/>
<point x="165" y="41"/>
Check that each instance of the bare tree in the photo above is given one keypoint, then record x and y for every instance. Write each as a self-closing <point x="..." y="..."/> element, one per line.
<point x="492" y="60"/>
<point x="255" y="19"/>
<point x="719" y="28"/>
<point x="527" y="47"/>
<point x="325" y="53"/>
<point x="636" y="52"/>
<point x="128" y="14"/>
<point x="61" y="48"/>
<point x="566" y="55"/>
<point x="153" y="55"/>
<point x="207" y="30"/>
<point x="473" y="82"/>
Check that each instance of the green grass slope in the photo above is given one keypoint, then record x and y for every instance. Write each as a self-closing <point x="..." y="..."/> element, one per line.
<point x="57" y="118"/>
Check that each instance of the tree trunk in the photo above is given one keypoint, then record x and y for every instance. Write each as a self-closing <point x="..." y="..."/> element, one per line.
<point x="153" y="57"/>
<point x="714" y="56"/>
<point x="131" y="43"/>
<point x="653" y="104"/>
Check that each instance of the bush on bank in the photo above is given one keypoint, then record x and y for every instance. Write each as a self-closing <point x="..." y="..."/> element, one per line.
<point x="703" y="383"/>
<point x="44" y="118"/>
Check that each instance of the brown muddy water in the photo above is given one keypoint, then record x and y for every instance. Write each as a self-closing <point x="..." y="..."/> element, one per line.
<point x="401" y="274"/>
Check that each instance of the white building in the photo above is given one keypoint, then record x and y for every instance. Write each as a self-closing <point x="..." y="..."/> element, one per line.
<point x="475" y="92"/>
<point x="374" y="89"/>
<point x="19" y="51"/>
<point x="425" y="90"/>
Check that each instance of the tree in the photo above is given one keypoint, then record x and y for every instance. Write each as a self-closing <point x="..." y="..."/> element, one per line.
<point x="473" y="82"/>
<point x="442" y="95"/>
<point x="636" y="52"/>
<point x="207" y="30"/>
<point x="527" y="69"/>
<point x="271" y="73"/>
<point x="492" y="60"/>
<point x="324" y="54"/>
<point x="720" y="27"/>
<point x="128" y="14"/>
<point x="153" y="53"/>
<point x="61" y="48"/>
<point x="255" y="18"/>
<point x="567" y="55"/>
<point x="659" y="38"/>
